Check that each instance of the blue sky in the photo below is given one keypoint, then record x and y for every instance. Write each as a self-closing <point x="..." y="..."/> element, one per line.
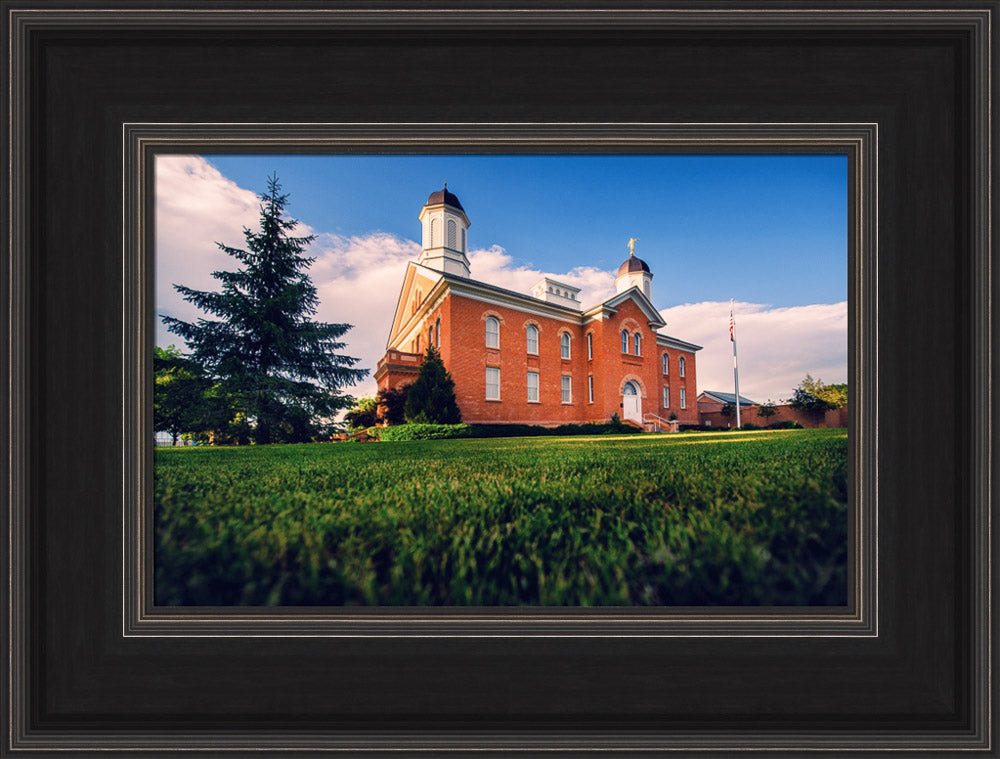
<point x="771" y="228"/>
<point x="767" y="231"/>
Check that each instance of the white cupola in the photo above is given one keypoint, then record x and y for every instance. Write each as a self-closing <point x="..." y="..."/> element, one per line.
<point x="445" y="234"/>
<point x="634" y="273"/>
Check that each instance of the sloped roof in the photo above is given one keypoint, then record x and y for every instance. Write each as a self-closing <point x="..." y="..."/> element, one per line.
<point x="729" y="398"/>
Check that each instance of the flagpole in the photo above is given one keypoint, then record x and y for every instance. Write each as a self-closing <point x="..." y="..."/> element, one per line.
<point x="736" y="366"/>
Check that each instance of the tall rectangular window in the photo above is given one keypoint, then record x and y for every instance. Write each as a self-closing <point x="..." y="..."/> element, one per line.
<point x="590" y="346"/>
<point x="590" y="389"/>
<point x="492" y="332"/>
<point x="531" y="339"/>
<point x="637" y="351"/>
<point x="683" y="398"/>
<point x="666" y="396"/>
<point x="567" y="389"/>
<point x="564" y="345"/>
<point x="532" y="386"/>
<point x="492" y="383"/>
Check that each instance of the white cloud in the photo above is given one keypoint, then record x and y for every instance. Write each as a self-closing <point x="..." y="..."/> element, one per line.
<point x="495" y="266"/>
<point x="195" y="208"/>
<point x="358" y="280"/>
<point x="777" y="346"/>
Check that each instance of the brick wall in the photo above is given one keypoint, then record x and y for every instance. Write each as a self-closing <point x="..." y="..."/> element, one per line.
<point x="835" y="418"/>
<point x="466" y="356"/>
<point x="464" y="352"/>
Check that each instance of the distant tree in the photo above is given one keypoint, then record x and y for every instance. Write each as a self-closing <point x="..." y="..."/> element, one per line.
<point x="431" y="398"/>
<point x="728" y="411"/>
<point x="364" y="414"/>
<point x="392" y="403"/>
<point x="185" y="400"/>
<point x="283" y="371"/>
<point x="766" y="409"/>
<point x="816" y="398"/>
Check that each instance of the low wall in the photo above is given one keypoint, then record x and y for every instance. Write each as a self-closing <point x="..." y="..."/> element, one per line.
<point x="783" y="413"/>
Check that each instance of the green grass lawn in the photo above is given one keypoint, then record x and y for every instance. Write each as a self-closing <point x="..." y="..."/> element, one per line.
<point x="699" y="518"/>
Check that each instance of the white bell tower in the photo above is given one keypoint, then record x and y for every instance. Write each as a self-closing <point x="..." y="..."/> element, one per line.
<point x="445" y="234"/>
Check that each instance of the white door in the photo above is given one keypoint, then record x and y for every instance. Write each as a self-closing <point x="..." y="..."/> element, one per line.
<point x="631" y="403"/>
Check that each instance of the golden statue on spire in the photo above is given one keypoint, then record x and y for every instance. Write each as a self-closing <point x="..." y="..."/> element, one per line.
<point x="631" y="246"/>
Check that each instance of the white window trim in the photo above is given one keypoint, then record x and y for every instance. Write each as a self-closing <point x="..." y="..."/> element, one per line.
<point x="563" y="386"/>
<point x="527" y="346"/>
<point x="537" y="388"/>
<point x="625" y="341"/>
<point x="565" y="341"/>
<point x="486" y="328"/>
<point x="666" y="396"/>
<point x="665" y="364"/>
<point x="590" y="388"/>
<point x="683" y="398"/>
<point x="590" y="346"/>
<point x="637" y="344"/>
<point x="488" y="370"/>
<point x="680" y="366"/>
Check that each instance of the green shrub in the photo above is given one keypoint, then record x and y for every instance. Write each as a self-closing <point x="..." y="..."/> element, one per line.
<point x="420" y="431"/>
<point x="785" y="425"/>
<point x="442" y="431"/>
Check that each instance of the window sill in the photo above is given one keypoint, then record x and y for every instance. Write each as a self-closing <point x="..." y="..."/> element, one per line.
<point x="493" y="400"/>
<point x="534" y="403"/>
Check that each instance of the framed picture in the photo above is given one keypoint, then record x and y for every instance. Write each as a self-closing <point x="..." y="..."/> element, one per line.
<point x="120" y="640"/>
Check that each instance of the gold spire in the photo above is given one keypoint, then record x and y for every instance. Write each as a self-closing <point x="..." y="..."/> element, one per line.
<point x="631" y="246"/>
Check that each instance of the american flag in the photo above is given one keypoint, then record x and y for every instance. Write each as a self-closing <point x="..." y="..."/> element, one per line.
<point x="732" y="324"/>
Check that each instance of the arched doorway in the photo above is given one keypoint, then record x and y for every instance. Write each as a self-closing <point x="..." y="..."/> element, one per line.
<point x="631" y="402"/>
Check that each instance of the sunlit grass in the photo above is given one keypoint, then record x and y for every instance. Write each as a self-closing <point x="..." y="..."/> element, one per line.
<point x="701" y="518"/>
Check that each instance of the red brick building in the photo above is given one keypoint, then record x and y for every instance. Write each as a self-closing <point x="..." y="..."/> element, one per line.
<point x="539" y="358"/>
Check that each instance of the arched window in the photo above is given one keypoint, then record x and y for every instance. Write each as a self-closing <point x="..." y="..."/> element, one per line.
<point x="418" y="345"/>
<point x="452" y="233"/>
<point x="680" y="366"/>
<point x="430" y="335"/>
<point x="630" y="389"/>
<point x="531" y="339"/>
<point x="590" y="345"/>
<point x="435" y="233"/>
<point x="437" y="333"/>
<point x="637" y="350"/>
<point x="624" y="341"/>
<point x="564" y="345"/>
<point x="492" y="332"/>
<point x="666" y="363"/>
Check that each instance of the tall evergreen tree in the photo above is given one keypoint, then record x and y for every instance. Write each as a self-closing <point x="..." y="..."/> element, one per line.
<point x="431" y="398"/>
<point x="281" y="368"/>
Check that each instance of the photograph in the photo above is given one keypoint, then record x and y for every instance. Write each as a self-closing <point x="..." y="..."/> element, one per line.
<point x="464" y="379"/>
<point x="566" y="380"/>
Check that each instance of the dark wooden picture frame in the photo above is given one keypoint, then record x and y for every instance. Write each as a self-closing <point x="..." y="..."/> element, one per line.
<point x="907" y="667"/>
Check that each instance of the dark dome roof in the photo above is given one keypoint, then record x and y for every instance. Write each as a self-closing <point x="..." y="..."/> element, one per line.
<point x="632" y="263"/>
<point x="443" y="196"/>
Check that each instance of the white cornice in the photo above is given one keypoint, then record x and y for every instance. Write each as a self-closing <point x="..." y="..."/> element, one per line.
<point x="665" y="341"/>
